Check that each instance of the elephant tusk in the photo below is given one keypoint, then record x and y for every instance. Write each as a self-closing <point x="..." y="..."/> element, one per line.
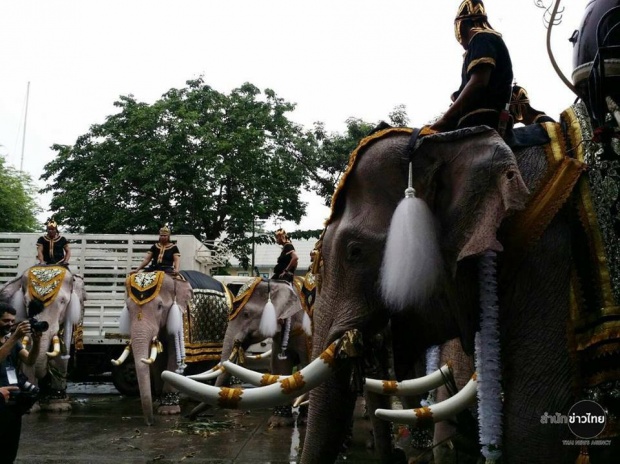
<point x="154" y="350"/>
<point x="250" y="376"/>
<point x="260" y="397"/>
<point x="56" y="345"/>
<point x="255" y="357"/>
<point x="437" y="412"/>
<point x="123" y="356"/>
<point x="216" y="371"/>
<point x="408" y="387"/>
<point x="301" y="400"/>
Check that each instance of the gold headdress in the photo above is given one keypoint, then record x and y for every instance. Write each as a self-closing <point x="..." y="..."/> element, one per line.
<point x="472" y="10"/>
<point x="164" y="230"/>
<point x="281" y="232"/>
<point x="51" y="224"/>
<point x="518" y="102"/>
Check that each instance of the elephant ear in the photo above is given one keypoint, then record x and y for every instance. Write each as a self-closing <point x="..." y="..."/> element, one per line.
<point x="471" y="181"/>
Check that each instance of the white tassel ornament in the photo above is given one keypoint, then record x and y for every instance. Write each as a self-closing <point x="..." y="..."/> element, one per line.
<point x="411" y="261"/>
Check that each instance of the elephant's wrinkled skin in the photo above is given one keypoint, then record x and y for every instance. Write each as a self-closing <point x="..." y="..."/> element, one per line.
<point x="470" y="181"/>
<point x="63" y="311"/>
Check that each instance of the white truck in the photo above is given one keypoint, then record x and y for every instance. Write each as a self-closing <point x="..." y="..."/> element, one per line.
<point x="104" y="261"/>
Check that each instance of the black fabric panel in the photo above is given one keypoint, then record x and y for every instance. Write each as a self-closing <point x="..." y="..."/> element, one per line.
<point x="198" y="279"/>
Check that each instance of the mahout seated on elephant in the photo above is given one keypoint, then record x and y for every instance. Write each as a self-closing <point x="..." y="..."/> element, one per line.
<point x="276" y="309"/>
<point x="183" y="315"/>
<point x="471" y="181"/>
<point x="52" y="295"/>
<point x="163" y="255"/>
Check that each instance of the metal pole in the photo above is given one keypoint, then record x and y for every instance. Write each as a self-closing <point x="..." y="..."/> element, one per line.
<point x="21" y="164"/>
<point x="253" y="242"/>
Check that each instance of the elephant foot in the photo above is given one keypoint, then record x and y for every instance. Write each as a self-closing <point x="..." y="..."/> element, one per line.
<point x="282" y="417"/>
<point x="169" y="404"/>
<point x="169" y="410"/>
<point x="55" y="405"/>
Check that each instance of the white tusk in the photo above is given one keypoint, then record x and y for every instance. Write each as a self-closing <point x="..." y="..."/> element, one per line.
<point x="435" y="413"/>
<point x="56" y="345"/>
<point x="123" y="356"/>
<point x="214" y="372"/>
<point x="260" y="397"/>
<point x="250" y="376"/>
<point x="266" y="354"/>
<point x="301" y="400"/>
<point x="408" y="387"/>
<point x="153" y="355"/>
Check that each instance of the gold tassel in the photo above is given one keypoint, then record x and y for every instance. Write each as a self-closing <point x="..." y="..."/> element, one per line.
<point x="584" y="457"/>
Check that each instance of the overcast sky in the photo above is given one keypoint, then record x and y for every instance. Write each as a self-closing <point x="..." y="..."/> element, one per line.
<point x="334" y="58"/>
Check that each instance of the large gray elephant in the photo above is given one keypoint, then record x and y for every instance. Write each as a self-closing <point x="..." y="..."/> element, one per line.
<point x="158" y="309"/>
<point x="290" y="330"/>
<point x="62" y="294"/>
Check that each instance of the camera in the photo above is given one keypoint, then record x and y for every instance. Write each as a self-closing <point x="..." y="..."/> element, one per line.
<point x="25" y="397"/>
<point x="38" y="326"/>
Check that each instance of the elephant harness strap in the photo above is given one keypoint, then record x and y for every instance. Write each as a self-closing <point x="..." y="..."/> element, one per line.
<point x="44" y="282"/>
<point x="144" y="286"/>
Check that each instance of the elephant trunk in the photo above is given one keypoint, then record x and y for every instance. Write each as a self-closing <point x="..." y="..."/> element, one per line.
<point x="141" y="347"/>
<point x="330" y="403"/>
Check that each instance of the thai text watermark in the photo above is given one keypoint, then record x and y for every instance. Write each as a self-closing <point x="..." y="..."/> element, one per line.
<point x="586" y="419"/>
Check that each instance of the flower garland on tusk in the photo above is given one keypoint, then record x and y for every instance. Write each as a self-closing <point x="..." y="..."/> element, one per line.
<point x="488" y="362"/>
<point x="432" y="365"/>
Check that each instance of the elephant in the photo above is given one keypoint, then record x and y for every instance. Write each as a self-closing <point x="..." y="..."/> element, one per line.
<point x="62" y="294"/>
<point x="248" y="324"/>
<point x="166" y="312"/>
<point x="477" y="198"/>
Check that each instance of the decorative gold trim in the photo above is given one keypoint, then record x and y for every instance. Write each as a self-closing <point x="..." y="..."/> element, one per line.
<point x="269" y="379"/>
<point x="390" y="387"/>
<point x="133" y="281"/>
<point x="44" y="282"/>
<point x="230" y="398"/>
<point x="292" y="383"/>
<point x="424" y="415"/>
<point x="483" y="60"/>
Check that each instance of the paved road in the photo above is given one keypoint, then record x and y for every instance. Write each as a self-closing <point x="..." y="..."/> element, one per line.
<point x="105" y="427"/>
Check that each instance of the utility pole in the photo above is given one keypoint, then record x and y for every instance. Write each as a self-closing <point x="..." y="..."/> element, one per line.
<point x="21" y="164"/>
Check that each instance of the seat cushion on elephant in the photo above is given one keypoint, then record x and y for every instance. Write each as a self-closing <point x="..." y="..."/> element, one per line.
<point x="44" y="282"/>
<point x="200" y="280"/>
<point x="532" y="135"/>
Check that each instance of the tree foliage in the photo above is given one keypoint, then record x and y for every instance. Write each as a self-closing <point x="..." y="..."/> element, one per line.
<point x="203" y="161"/>
<point x="18" y="208"/>
<point x="334" y="149"/>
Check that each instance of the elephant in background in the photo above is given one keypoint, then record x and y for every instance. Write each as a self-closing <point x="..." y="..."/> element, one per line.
<point x="62" y="294"/>
<point x="158" y="306"/>
<point x="290" y="331"/>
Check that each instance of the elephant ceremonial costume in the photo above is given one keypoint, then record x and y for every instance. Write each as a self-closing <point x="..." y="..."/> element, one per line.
<point x="62" y="294"/>
<point x="183" y="315"/>
<point x="289" y="329"/>
<point x="473" y="183"/>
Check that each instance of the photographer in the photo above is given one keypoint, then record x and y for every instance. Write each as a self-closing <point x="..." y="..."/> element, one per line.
<point x="12" y="354"/>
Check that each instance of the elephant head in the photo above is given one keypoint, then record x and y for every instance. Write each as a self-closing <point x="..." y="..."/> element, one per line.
<point x="153" y="318"/>
<point x="62" y="296"/>
<point x="265" y="309"/>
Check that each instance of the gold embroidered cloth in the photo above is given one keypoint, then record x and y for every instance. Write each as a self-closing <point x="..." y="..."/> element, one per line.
<point x="44" y="282"/>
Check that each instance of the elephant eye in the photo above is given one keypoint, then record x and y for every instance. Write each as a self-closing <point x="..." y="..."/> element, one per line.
<point x="510" y="175"/>
<point x="354" y="251"/>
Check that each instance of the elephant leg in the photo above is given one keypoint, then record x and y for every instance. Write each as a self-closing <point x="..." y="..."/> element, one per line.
<point x="54" y="387"/>
<point x="169" y="401"/>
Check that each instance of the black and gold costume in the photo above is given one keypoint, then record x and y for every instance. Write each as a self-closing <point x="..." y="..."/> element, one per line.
<point x="53" y="248"/>
<point x="487" y="47"/>
<point x="162" y="257"/>
<point x="283" y="261"/>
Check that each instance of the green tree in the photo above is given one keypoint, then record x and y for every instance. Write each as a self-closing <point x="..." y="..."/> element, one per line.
<point x="334" y="150"/>
<point x="18" y="207"/>
<point x="205" y="162"/>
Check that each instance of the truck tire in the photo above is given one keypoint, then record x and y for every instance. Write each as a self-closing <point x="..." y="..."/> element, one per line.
<point x="124" y="378"/>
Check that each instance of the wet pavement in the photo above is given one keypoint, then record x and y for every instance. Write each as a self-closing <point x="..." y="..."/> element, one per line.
<point x="105" y="426"/>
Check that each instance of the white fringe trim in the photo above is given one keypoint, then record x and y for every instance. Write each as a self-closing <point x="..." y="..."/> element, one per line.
<point x="268" y="321"/>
